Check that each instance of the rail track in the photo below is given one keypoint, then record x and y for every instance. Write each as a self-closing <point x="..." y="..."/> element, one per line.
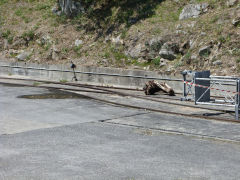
<point x="109" y="90"/>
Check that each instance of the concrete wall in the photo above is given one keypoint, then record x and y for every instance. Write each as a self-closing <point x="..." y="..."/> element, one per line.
<point x="63" y="72"/>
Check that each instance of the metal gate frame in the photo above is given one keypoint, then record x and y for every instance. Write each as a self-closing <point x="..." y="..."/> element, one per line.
<point x="231" y="99"/>
<point x="192" y="87"/>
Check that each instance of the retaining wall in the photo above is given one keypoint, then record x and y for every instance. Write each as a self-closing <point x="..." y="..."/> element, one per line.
<point x="89" y="74"/>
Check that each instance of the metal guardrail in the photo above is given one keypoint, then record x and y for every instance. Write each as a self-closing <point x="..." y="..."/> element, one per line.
<point x="93" y="73"/>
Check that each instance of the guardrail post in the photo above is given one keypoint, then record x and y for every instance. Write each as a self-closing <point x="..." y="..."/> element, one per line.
<point x="184" y="86"/>
<point x="194" y="81"/>
<point x="237" y="100"/>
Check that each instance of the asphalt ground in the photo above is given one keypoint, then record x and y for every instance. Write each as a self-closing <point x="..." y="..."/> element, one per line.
<point x="53" y="135"/>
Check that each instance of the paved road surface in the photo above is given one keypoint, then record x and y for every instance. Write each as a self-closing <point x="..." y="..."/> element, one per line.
<point x="66" y="139"/>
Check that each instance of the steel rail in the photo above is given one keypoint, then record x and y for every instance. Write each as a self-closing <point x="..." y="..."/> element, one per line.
<point x="224" y="77"/>
<point x="119" y="93"/>
<point x="211" y="79"/>
<point x="57" y="88"/>
<point x="159" y="111"/>
<point x="86" y="85"/>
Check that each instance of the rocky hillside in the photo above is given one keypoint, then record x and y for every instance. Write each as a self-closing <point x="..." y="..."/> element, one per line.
<point x="160" y="35"/>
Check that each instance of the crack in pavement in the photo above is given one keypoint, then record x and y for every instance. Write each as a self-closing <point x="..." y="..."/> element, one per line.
<point x="174" y="132"/>
<point x="64" y="125"/>
<point x="109" y="119"/>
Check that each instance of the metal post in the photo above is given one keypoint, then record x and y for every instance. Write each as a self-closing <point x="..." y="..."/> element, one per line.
<point x="73" y="66"/>
<point x="195" y="99"/>
<point x="184" y="86"/>
<point x="74" y="75"/>
<point x="237" y="100"/>
<point x="185" y="93"/>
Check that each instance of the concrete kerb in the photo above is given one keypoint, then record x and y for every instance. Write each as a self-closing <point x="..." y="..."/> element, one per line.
<point x="89" y="74"/>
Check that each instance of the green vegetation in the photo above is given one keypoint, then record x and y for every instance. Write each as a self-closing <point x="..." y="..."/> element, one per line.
<point x="238" y="60"/>
<point x="156" y="61"/>
<point x="77" y="50"/>
<point x="36" y="83"/>
<point x="236" y="52"/>
<point x="47" y="46"/>
<point x="60" y="20"/>
<point x="187" y="58"/>
<point x="63" y="81"/>
<point x="106" y="55"/>
<point x="23" y="13"/>
<point x="3" y="2"/>
<point x="29" y="35"/>
<point x="65" y="50"/>
<point x="8" y="35"/>
<point x="178" y="63"/>
<point x="110" y="14"/>
<point x="19" y="12"/>
<point x="136" y="21"/>
<point x="41" y="7"/>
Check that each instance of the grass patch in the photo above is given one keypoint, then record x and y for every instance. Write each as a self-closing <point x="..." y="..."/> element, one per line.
<point x="42" y="6"/>
<point x="156" y="61"/>
<point x="119" y="56"/>
<point x="77" y="50"/>
<point x="140" y="64"/>
<point x="19" y="12"/>
<point x="238" y="60"/>
<point x="63" y="81"/>
<point x="36" y="26"/>
<point x="2" y="2"/>
<point x="214" y="19"/>
<point x="36" y="83"/>
<point x="236" y="52"/>
<point x="61" y="19"/>
<point x="65" y="50"/>
<point x="28" y="35"/>
<point x="47" y="46"/>
<point x="178" y="63"/>
<point x="106" y="55"/>
<point x="8" y="35"/>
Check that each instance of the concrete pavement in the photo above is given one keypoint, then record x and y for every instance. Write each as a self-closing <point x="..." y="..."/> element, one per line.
<point x="66" y="139"/>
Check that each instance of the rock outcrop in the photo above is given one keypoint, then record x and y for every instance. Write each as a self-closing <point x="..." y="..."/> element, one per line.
<point x="169" y="50"/>
<point x="193" y="10"/>
<point x="205" y="51"/>
<point x="68" y="7"/>
<point x="231" y="3"/>
<point x="23" y="56"/>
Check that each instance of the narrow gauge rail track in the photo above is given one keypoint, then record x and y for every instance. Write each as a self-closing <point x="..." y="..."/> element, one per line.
<point x="57" y="88"/>
<point x="106" y="90"/>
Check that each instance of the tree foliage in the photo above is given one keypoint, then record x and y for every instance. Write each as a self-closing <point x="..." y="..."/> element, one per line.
<point x="110" y="13"/>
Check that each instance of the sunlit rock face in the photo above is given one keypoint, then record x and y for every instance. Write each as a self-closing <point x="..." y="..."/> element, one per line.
<point x="69" y="7"/>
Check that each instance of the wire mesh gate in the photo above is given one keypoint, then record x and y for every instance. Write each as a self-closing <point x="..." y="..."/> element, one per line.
<point x="200" y="88"/>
